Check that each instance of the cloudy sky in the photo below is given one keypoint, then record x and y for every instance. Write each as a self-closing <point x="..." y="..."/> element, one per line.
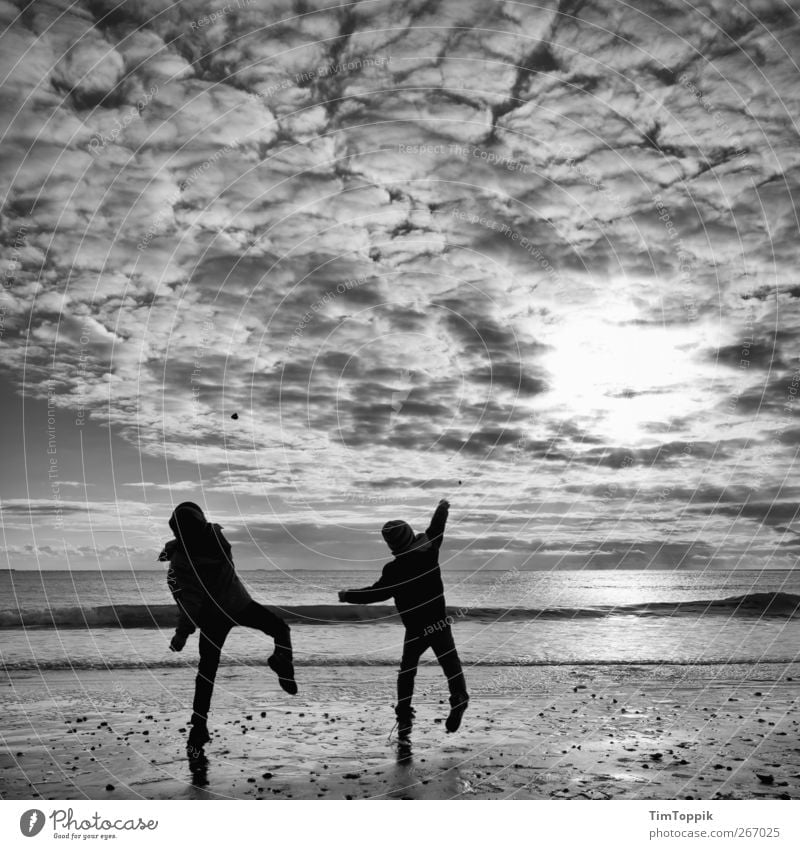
<point x="540" y="258"/>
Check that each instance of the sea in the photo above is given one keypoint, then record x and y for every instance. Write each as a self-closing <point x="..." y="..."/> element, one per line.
<point x="124" y="619"/>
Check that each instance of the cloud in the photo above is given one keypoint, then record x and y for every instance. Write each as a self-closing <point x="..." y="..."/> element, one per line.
<point x="172" y="485"/>
<point x="23" y="507"/>
<point x="88" y="552"/>
<point x="399" y="238"/>
<point x="771" y="513"/>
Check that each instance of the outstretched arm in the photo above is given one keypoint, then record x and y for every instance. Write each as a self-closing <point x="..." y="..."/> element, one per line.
<point x="381" y="590"/>
<point x="168" y="550"/>
<point x="435" y="531"/>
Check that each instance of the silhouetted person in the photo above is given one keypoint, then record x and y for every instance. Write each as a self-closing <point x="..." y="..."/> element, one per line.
<point x="414" y="580"/>
<point x="211" y="597"/>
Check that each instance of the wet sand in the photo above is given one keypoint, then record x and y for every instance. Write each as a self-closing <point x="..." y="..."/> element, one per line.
<point x="588" y="732"/>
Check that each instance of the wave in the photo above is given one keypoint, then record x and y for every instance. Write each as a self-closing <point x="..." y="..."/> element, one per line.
<point x="165" y="616"/>
<point x="772" y="605"/>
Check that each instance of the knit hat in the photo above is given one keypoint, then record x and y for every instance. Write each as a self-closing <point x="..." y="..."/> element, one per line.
<point x="398" y="535"/>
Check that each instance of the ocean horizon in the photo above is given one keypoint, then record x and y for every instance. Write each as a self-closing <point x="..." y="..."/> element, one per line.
<point x="111" y="619"/>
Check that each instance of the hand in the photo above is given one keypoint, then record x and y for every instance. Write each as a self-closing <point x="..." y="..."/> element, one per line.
<point x="342" y="594"/>
<point x="177" y="642"/>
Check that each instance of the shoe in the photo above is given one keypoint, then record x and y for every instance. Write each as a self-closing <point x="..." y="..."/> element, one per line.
<point x="281" y="664"/>
<point x="458" y="704"/>
<point x="198" y="737"/>
<point x="405" y="722"/>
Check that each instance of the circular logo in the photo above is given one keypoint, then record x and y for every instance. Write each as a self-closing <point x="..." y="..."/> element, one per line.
<point x="31" y="822"/>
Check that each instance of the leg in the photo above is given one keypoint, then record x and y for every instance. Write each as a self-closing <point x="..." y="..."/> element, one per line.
<point x="212" y="638"/>
<point x="257" y="616"/>
<point x="445" y="648"/>
<point x="414" y="647"/>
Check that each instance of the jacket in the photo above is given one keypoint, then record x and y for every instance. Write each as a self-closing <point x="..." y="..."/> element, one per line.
<point x="413" y="579"/>
<point x="203" y="585"/>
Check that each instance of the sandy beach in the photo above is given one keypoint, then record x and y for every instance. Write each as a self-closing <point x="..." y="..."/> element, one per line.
<point x="588" y="732"/>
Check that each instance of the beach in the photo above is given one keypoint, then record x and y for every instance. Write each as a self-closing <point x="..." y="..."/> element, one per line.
<point x="614" y="731"/>
<point x="586" y="685"/>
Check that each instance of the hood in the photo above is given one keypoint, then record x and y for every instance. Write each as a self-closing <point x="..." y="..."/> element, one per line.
<point x="188" y="523"/>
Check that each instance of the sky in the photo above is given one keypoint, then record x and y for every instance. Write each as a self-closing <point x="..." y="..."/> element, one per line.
<point x="537" y="258"/>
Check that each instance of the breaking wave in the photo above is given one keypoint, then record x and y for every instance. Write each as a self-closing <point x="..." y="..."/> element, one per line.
<point x="757" y="605"/>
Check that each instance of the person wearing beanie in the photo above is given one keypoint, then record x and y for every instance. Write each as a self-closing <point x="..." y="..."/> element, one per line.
<point x="210" y="596"/>
<point x="414" y="580"/>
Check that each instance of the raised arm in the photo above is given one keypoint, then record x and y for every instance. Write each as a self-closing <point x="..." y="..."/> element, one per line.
<point x="435" y="531"/>
<point x="381" y="590"/>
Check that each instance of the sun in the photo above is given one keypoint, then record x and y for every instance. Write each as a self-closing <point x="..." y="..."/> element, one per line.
<point x="624" y="380"/>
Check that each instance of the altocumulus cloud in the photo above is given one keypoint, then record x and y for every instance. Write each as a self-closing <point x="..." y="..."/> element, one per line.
<point x="545" y="250"/>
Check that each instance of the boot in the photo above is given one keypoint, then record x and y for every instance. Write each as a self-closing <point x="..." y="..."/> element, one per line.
<point x="458" y="704"/>
<point x="198" y="737"/>
<point x="405" y="722"/>
<point x="281" y="664"/>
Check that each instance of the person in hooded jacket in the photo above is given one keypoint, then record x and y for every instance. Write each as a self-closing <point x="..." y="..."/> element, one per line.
<point x="211" y="598"/>
<point x="413" y="579"/>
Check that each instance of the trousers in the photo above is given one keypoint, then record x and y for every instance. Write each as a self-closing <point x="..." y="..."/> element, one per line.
<point x="414" y="646"/>
<point x="214" y="632"/>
